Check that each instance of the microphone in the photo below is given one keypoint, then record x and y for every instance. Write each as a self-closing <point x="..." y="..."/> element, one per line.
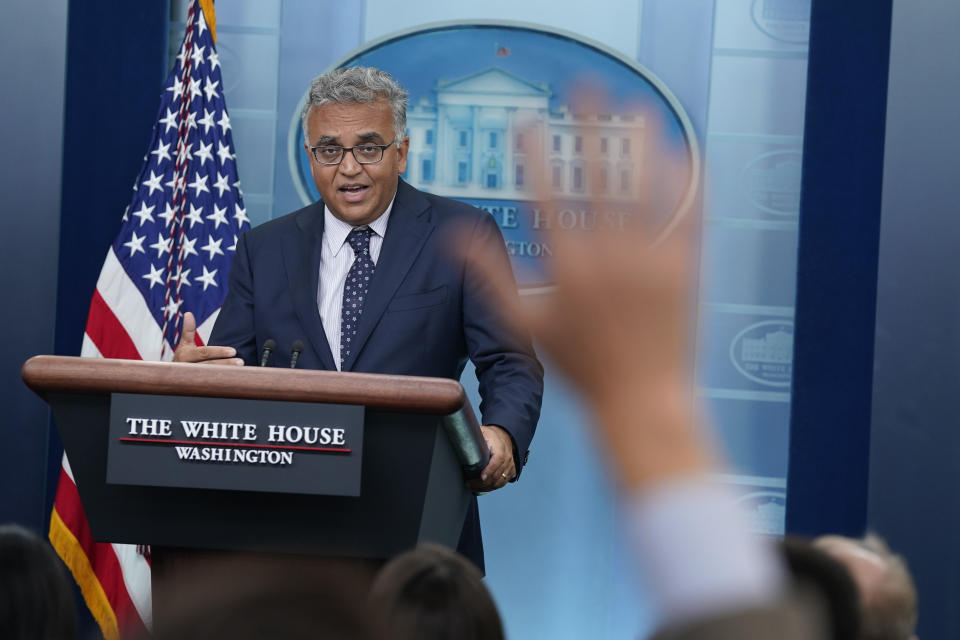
<point x="268" y="348"/>
<point x="295" y="352"/>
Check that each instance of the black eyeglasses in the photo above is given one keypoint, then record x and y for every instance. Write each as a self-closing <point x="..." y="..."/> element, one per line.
<point x="363" y="153"/>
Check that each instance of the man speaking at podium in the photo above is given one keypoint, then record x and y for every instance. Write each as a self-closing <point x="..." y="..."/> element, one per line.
<point x="366" y="279"/>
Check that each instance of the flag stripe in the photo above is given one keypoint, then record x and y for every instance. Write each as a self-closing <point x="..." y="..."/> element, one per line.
<point x="136" y="578"/>
<point x="107" y="333"/>
<point x="89" y="349"/>
<point x="205" y="329"/>
<point x="130" y="309"/>
<point x="77" y="559"/>
<point x="106" y="566"/>
<point x="94" y="565"/>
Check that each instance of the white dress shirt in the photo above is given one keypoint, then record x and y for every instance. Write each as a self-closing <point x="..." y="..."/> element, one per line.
<point x="336" y="258"/>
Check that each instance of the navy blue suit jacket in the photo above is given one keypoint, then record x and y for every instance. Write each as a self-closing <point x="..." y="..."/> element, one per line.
<point x="425" y="312"/>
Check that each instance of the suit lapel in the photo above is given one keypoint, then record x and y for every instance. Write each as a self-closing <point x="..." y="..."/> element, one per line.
<point x="301" y="258"/>
<point x="407" y="231"/>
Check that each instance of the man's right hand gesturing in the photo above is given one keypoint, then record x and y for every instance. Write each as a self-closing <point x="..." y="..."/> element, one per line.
<point x="188" y="351"/>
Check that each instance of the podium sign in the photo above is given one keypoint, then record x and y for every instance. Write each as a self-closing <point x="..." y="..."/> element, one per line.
<point x="118" y="420"/>
<point x="239" y="444"/>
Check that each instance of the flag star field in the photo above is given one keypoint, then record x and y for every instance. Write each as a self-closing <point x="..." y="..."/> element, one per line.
<point x="182" y="225"/>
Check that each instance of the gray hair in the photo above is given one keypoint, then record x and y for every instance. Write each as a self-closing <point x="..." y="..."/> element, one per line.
<point x="888" y="608"/>
<point x="891" y="612"/>
<point x="357" y="85"/>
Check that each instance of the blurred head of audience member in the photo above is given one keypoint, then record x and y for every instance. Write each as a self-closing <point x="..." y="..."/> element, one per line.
<point x="433" y="593"/>
<point x="814" y="569"/>
<point x="36" y="600"/>
<point x="888" y="596"/>
<point x="261" y="598"/>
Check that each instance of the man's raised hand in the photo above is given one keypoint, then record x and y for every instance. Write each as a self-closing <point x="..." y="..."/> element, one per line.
<point x="188" y="351"/>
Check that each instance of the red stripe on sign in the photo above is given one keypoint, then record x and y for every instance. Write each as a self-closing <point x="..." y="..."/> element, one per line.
<point x="107" y="333"/>
<point x="234" y="444"/>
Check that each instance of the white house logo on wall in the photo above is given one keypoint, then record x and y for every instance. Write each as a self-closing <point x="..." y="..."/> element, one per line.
<point x="763" y="352"/>
<point x="783" y="20"/>
<point x="484" y="94"/>
<point x="771" y="181"/>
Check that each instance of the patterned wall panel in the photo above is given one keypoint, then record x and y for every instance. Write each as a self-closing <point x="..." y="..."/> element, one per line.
<point x="748" y="275"/>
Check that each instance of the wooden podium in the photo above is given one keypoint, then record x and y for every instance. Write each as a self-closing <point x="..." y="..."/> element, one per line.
<point x="420" y="438"/>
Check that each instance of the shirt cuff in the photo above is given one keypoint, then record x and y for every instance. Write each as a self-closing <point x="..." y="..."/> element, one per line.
<point x="696" y="555"/>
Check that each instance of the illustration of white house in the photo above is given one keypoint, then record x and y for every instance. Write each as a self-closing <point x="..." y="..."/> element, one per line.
<point x="777" y="188"/>
<point x="774" y="347"/>
<point x="472" y="139"/>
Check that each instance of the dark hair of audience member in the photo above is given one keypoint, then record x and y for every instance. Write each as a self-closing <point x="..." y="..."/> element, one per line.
<point x="815" y="569"/>
<point x="433" y="593"/>
<point x="36" y="599"/>
<point x="264" y="598"/>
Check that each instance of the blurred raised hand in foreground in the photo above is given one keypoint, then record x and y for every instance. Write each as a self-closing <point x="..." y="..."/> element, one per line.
<point x="619" y="322"/>
<point x="619" y="319"/>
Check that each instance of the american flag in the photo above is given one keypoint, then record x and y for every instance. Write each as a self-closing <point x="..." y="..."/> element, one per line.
<point x="172" y="255"/>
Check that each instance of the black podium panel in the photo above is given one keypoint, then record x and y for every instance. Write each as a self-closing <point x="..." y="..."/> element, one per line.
<point x="412" y="490"/>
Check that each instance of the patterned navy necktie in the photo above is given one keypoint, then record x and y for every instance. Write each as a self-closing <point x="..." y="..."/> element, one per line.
<point x="355" y="289"/>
